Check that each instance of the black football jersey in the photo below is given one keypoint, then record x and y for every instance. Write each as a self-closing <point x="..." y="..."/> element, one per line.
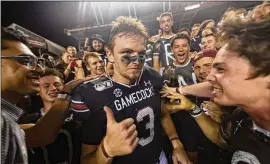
<point x="162" y="48"/>
<point x="140" y="101"/>
<point x="249" y="146"/>
<point x="176" y="76"/>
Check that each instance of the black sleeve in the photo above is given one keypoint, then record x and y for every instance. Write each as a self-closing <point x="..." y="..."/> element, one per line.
<point x="156" y="48"/>
<point x="230" y="126"/>
<point x="94" y="128"/>
<point x="79" y="109"/>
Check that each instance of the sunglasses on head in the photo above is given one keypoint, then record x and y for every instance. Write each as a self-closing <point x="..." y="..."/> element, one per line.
<point x="27" y="60"/>
<point x="132" y="59"/>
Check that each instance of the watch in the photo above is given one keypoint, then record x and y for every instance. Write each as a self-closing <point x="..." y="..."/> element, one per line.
<point x="196" y="111"/>
<point x="64" y="95"/>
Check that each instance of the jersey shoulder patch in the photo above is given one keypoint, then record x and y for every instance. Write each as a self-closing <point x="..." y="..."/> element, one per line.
<point x="100" y="84"/>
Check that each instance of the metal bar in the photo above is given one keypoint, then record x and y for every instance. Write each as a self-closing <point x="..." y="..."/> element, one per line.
<point x="93" y="8"/>
<point x="129" y="11"/>
<point x="134" y="10"/>
<point x="164" y="6"/>
<point x="100" y="13"/>
<point x="169" y="6"/>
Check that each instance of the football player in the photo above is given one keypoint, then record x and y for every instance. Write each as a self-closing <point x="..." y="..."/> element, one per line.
<point x="129" y="129"/>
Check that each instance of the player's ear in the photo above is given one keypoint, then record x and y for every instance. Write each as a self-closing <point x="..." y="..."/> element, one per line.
<point x="110" y="55"/>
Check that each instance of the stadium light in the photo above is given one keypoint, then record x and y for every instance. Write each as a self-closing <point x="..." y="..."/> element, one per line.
<point x="192" y="7"/>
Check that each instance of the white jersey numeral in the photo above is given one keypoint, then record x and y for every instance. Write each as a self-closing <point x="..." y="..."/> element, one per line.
<point x="148" y="111"/>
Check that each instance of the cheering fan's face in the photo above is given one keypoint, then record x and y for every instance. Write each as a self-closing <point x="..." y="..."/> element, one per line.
<point x="17" y="75"/>
<point x="231" y="86"/>
<point x="194" y="31"/>
<point x="95" y="65"/>
<point x="180" y="50"/>
<point x="50" y="86"/>
<point x="166" y="23"/>
<point x="97" y="45"/>
<point x="208" y="43"/>
<point x="203" y="67"/>
<point x="72" y="50"/>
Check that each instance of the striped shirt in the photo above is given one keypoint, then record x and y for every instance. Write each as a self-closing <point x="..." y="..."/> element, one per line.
<point x="13" y="148"/>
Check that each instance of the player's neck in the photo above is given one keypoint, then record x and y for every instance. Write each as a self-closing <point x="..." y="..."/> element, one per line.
<point x="121" y="79"/>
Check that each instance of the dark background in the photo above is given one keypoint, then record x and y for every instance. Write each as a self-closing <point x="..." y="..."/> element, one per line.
<point x="49" y="19"/>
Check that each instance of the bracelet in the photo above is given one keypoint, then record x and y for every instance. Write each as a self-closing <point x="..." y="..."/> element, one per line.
<point x="104" y="151"/>
<point x="174" y="138"/>
<point x="177" y="90"/>
<point x="196" y="111"/>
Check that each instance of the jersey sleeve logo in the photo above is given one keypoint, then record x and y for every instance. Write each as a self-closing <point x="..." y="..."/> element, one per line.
<point x="117" y="92"/>
<point x="147" y="83"/>
<point x="103" y="85"/>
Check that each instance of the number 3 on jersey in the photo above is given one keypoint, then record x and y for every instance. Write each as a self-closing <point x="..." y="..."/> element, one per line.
<point x="148" y="111"/>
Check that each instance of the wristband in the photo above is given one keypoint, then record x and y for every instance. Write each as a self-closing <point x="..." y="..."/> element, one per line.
<point x="64" y="95"/>
<point x="104" y="151"/>
<point x="196" y="111"/>
<point x="174" y="138"/>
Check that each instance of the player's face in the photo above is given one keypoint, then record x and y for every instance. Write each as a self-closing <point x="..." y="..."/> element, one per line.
<point x="166" y="23"/>
<point x="19" y="76"/>
<point x="126" y="46"/>
<point x="203" y="67"/>
<point x="194" y="31"/>
<point x="208" y="43"/>
<point x="50" y="86"/>
<point x="180" y="50"/>
<point x="95" y="65"/>
<point x="97" y="45"/>
<point x="230" y="84"/>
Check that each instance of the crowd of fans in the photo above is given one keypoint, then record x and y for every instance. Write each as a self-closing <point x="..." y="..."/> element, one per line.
<point x="214" y="106"/>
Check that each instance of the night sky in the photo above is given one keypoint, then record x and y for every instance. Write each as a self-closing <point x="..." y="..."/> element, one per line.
<point x="47" y="19"/>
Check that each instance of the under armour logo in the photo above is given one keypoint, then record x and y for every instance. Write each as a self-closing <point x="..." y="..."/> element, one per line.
<point x="117" y="92"/>
<point x="147" y="83"/>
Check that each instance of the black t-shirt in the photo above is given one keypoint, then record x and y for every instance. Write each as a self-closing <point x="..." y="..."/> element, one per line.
<point x="177" y="75"/>
<point x="140" y="101"/>
<point x="195" y="44"/>
<point x="162" y="48"/>
<point x="248" y="145"/>
<point x="66" y="147"/>
<point x="149" y="54"/>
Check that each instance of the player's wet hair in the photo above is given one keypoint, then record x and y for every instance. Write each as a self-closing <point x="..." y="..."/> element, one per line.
<point x="128" y="27"/>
